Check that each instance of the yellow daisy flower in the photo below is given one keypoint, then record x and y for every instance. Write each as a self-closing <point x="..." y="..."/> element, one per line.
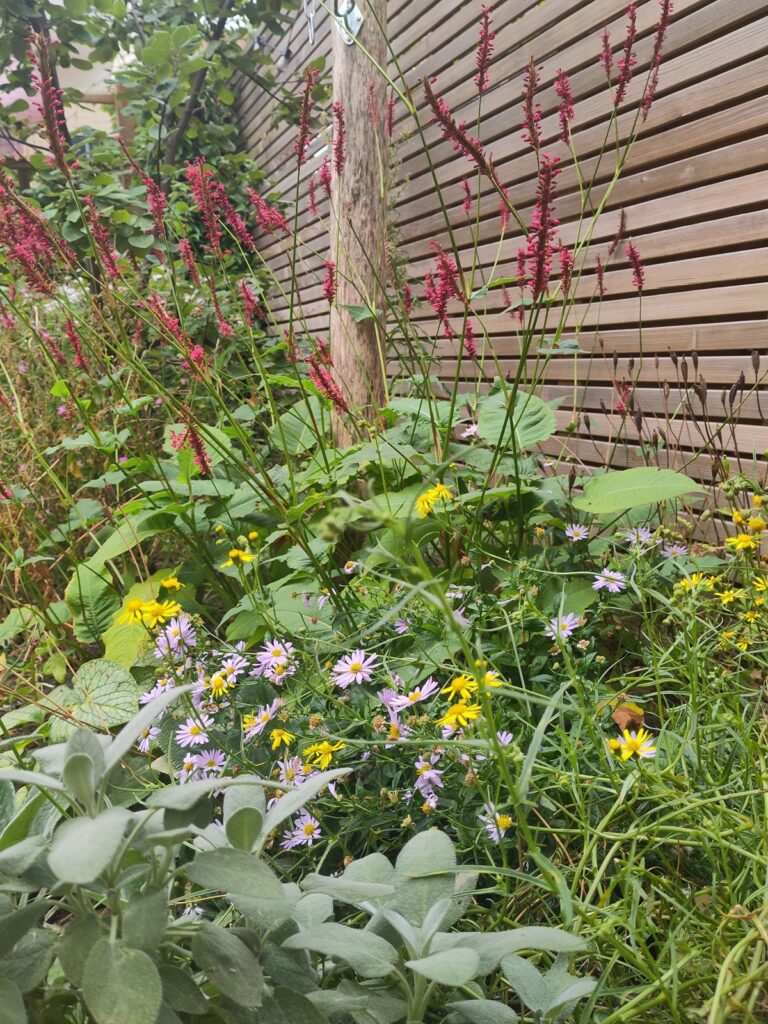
<point x="461" y="687"/>
<point x="154" y="613"/>
<point x="320" y="755"/>
<point x="742" y="542"/>
<point x="171" y="583"/>
<point x="237" y="555"/>
<point x="278" y="736"/>
<point x="460" y="714"/>
<point x="756" y="524"/>
<point x="639" y="743"/>
<point x="132" y="612"/>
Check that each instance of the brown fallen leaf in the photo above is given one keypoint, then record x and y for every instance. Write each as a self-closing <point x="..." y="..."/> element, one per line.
<point x="628" y="715"/>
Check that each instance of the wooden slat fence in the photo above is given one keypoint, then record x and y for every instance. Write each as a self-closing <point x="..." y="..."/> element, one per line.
<point x="694" y="195"/>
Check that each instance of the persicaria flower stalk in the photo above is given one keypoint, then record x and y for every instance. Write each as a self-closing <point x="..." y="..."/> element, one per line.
<point x="157" y="204"/>
<point x="74" y="339"/>
<point x="301" y="145"/>
<point x="252" y="308"/>
<point x="484" y="50"/>
<point x="330" y="285"/>
<point x="470" y="347"/>
<point x="606" y="54"/>
<point x="565" y="110"/>
<point x="49" y="105"/>
<point x="324" y="176"/>
<point x="101" y="239"/>
<point x="456" y="132"/>
<point x="535" y="260"/>
<point x="191" y="439"/>
<point x="638" y="272"/>
<point x="321" y="377"/>
<point x="467" y="203"/>
<point x="658" y="43"/>
<point x="53" y="349"/>
<point x="224" y="328"/>
<point x="531" y="123"/>
<point x="339" y="137"/>
<point x="188" y="258"/>
<point x="628" y="59"/>
<point x="390" y="117"/>
<point x="566" y="268"/>
<point x="269" y="218"/>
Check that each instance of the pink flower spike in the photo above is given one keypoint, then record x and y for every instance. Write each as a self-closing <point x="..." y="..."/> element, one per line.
<point x="484" y="50"/>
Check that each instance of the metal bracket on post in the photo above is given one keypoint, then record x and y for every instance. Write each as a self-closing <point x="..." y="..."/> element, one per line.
<point x="349" y="19"/>
<point x="310" y="8"/>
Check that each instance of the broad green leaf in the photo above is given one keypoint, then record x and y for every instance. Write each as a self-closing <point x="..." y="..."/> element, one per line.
<point x="127" y="534"/>
<point x="369" y="955"/>
<point x="24" y="778"/>
<point x="430" y="853"/>
<point x="244" y="810"/>
<point x="448" y="967"/>
<point x="145" y="919"/>
<point x="229" y="964"/>
<point x="121" y="985"/>
<point x="483" y="1011"/>
<point x="7" y="803"/>
<point x="622" y="489"/>
<point x="491" y="947"/>
<point x="531" y="420"/>
<point x="30" y="961"/>
<point x="103" y="694"/>
<point x="243" y="826"/>
<point x="300" y="428"/>
<point x="91" y="595"/>
<point x="75" y="944"/>
<point x="12" y="1009"/>
<point x="527" y="982"/>
<point x="235" y="871"/>
<point x="83" y="847"/>
<point x="16" y="924"/>
<point x="180" y="990"/>
<point x="346" y="890"/>
<point x="359" y="314"/>
<point x="15" y="622"/>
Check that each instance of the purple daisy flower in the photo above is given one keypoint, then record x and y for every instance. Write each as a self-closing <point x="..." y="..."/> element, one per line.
<point x="611" y="580"/>
<point x="562" y="627"/>
<point x="496" y="824"/>
<point x="402" y="626"/>
<point x="674" y="550"/>
<point x="304" y="832"/>
<point x="147" y="738"/>
<point x="211" y="762"/>
<point x="357" y="667"/>
<point x="423" y="692"/>
<point x="192" y="733"/>
<point x="176" y="638"/>
<point x="575" y="531"/>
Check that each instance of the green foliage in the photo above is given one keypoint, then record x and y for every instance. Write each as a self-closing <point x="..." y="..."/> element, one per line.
<point x="620" y="490"/>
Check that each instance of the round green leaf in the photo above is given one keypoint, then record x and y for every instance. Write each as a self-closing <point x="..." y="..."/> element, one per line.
<point x="121" y="985"/>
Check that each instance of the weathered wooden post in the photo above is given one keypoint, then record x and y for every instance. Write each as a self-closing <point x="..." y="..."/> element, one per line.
<point x="358" y="220"/>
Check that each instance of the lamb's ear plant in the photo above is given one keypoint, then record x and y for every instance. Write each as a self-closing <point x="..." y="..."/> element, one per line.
<point x="407" y="961"/>
<point x="91" y="891"/>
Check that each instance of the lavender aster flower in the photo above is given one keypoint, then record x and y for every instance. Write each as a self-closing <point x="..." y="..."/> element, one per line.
<point x="562" y="627"/>
<point x="192" y="733"/>
<point x="610" y="579"/>
<point x="402" y="626"/>
<point x="496" y="824"/>
<point x="147" y="738"/>
<point x="423" y="692"/>
<point x="575" y="531"/>
<point x="357" y="667"/>
<point x="210" y="762"/>
<point x="304" y="832"/>
<point x="176" y="638"/>
<point x="427" y="776"/>
<point x="639" y="536"/>
<point x="674" y="550"/>
<point x="291" y="771"/>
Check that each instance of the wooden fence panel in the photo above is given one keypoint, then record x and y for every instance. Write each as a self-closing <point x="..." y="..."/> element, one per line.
<point x="694" y="197"/>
